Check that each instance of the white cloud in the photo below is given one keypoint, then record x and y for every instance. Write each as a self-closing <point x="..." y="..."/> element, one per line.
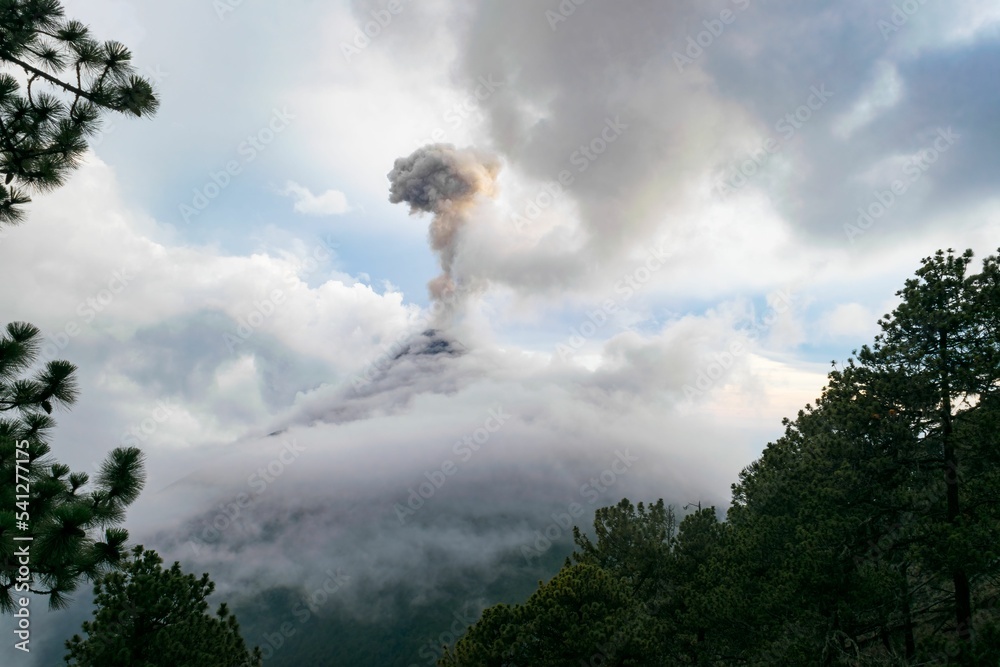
<point x="162" y="337"/>
<point x="853" y="321"/>
<point x="331" y="202"/>
<point x="885" y="92"/>
<point x="145" y="314"/>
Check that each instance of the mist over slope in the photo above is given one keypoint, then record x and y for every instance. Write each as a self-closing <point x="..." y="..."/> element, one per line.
<point x="452" y="478"/>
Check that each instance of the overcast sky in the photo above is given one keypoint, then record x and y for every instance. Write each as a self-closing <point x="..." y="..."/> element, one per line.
<point x="697" y="207"/>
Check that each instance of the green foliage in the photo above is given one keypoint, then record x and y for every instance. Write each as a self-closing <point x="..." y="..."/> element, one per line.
<point x="74" y="530"/>
<point x="874" y="510"/>
<point x="583" y="614"/>
<point x="71" y="79"/>
<point x="610" y="607"/>
<point x="150" y="617"/>
<point x="866" y="535"/>
<point x="632" y="543"/>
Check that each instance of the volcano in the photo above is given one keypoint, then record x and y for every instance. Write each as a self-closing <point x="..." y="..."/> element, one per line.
<point x="431" y="342"/>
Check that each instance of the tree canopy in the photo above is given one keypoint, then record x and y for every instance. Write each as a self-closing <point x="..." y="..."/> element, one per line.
<point x="865" y="535"/>
<point x="148" y="616"/>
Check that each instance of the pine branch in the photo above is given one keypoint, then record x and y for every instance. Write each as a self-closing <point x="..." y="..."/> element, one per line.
<point x="78" y="91"/>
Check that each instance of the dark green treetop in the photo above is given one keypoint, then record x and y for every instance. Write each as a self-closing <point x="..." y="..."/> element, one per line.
<point x="67" y="79"/>
<point x="148" y="616"/>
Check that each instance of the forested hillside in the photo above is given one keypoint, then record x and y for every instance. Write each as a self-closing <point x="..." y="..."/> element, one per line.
<point x="866" y="535"/>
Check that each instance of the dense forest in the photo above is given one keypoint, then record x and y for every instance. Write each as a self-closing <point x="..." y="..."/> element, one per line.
<point x="865" y="535"/>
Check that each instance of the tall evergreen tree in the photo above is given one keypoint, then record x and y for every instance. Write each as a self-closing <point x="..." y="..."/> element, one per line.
<point x="873" y="514"/>
<point x="820" y="536"/>
<point x="865" y="535"/>
<point x="943" y="347"/>
<point x="694" y="579"/>
<point x="69" y="78"/>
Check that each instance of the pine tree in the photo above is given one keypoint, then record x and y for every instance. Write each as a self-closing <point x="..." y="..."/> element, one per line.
<point x="609" y="607"/>
<point x="943" y="345"/>
<point x="151" y="617"/>
<point x="583" y="615"/>
<point x="74" y="530"/>
<point x="694" y="578"/>
<point x="872" y="521"/>
<point x="865" y="535"/>
<point x="69" y="80"/>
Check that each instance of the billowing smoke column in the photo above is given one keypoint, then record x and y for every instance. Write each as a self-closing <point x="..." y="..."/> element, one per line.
<point x="446" y="182"/>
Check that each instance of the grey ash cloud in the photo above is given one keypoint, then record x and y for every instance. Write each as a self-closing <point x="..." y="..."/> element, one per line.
<point x="446" y="182"/>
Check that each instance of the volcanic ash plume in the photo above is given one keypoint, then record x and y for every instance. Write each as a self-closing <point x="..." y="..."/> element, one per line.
<point x="446" y="182"/>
